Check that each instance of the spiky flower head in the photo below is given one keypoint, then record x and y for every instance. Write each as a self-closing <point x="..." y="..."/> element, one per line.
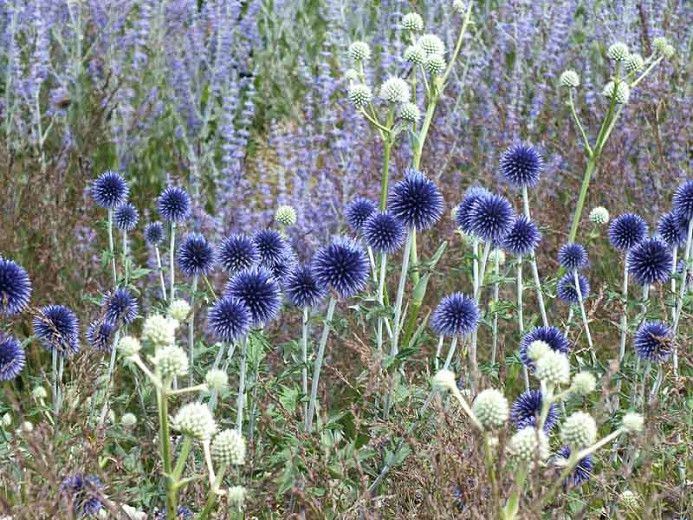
<point x="537" y="349"/>
<point x="12" y="357"/>
<point x="583" y="469"/>
<point x="669" y="51"/>
<point x="126" y="217"/>
<point x="228" y="447"/>
<point x="272" y="247"/>
<point x="416" y="201"/>
<point x="154" y="233"/>
<point x="491" y="408"/>
<point x="431" y="44"/>
<point x="630" y="500"/>
<point x="159" y="330"/>
<point x="599" y="215"/>
<point x="683" y="200"/>
<point x="521" y="165"/>
<point x="570" y="79"/>
<point x="171" y="361"/>
<point x="395" y="90"/>
<point x="651" y="261"/>
<point x="583" y="383"/>
<point x="357" y="211"/>
<point x="39" y="393"/>
<point x="229" y="319"/>
<point x="83" y="492"/>
<point x="412" y="22"/>
<point x="351" y="75"/>
<point x="435" y="64"/>
<point x="415" y="54"/>
<point x="128" y="420"/>
<point x="573" y="256"/>
<point x="618" y="51"/>
<point x="359" y="95"/>
<point x="15" y="287"/>
<point x="523" y="238"/>
<point x="654" y="342"/>
<point x="259" y="291"/>
<point x="195" y="420"/>
<point x="110" y="190"/>
<point x="129" y="346"/>
<point x="579" y="430"/>
<point x="660" y="43"/>
<point x="526" y="411"/>
<point x="195" y="255"/>
<point x="444" y="381"/>
<point x="237" y="252"/>
<point x="672" y="229"/>
<point x="216" y="379"/>
<point x="634" y="63"/>
<point x="99" y="335"/>
<point x="632" y="422"/>
<point x="302" y="289"/>
<point x="553" y="368"/>
<point x="383" y="233"/>
<point x="491" y="218"/>
<point x="182" y="513"/>
<point x="622" y="92"/>
<point x="174" y="204"/>
<point x="359" y="51"/>
<point x="57" y="328"/>
<point x="567" y="292"/>
<point x="553" y="337"/>
<point x="627" y="231"/>
<point x="456" y="315"/>
<point x="179" y="310"/>
<point x="464" y="209"/>
<point x="120" y="306"/>
<point x="285" y="215"/>
<point x="341" y="266"/>
<point x="410" y="112"/>
<point x="529" y="444"/>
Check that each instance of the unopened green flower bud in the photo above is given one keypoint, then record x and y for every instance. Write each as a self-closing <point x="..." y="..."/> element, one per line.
<point x="128" y="420"/>
<point x="39" y="393"/>
<point x="285" y="215"/>
<point x="579" y="430"/>
<point x="359" y="51"/>
<point x="491" y="408"/>
<point x="412" y="22"/>
<point x="599" y="215"/>
<point x="570" y="79"/>
<point x="618" y="51"/>
<point x="217" y="379"/>
<point x="622" y="92"/>
<point x="635" y="63"/>
<point x="410" y="112"/>
<point x="359" y="95"/>
<point x="179" y="310"/>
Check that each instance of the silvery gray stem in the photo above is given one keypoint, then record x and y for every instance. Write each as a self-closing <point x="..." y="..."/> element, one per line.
<point x="318" y="362"/>
<point x="241" y="385"/>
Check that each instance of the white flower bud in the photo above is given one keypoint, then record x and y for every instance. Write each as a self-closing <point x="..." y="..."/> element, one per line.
<point x="579" y="430"/>
<point x="228" y="447"/>
<point x="599" y="215"/>
<point x="669" y="51"/>
<point x="236" y="496"/>
<point x="159" y="330"/>
<point x="129" y="346"/>
<point x="630" y="500"/>
<point x="285" y="215"/>
<point x="584" y="383"/>
<point x="395" y="90"/>
<point x="634" y="63"/>
<point x="410" y="112"/>
<point x="6" y="420"/>
<point x="435" y="64"/>
<point x="553" y="368"/>
<point x="27" y="427"/>
<point x="39" y="393"/>
<point x="570" y="79"/>
<point x="458" y="6"/>
<point x="415" y="54"/>
<point x="444" y="381"/>
<point x="537" y="349"/>
<point x="618" y="51"/>
<point x="660" y="43"/>
<point x="217" y="379"/>
<point x="359" y="51"/>
<point x="633" y="422"/>
<point x="431" y="44"/>
<point x="179" y="310"/>
<point x="359" y="95"/>
<point x="196" y="421"/>
<point x="622" y="92"/>
<point x="491" y="408"/>
<point x="412" y="22"/>
<point x="128" y="420"/>
<point x="171" y="361"/>
<point x="529" y="443"/>
<point x="351" y="75"/>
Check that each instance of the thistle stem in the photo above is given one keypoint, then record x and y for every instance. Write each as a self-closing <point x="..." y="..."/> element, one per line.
<point x="682" y="292"/>
<point x="496" y="289"/>
<point x="576" y="281"/>
<point x="191" y="331"/>
<point x="111" y="247"/>
<point x="161" y="273"/>
<point x="624" y="316"/>
<point x="240" y="403"/>
<point x="381" y="300"/>
<point x="172" y="265"/>
<point x="520" y="318"/>
<point x="318" y="362"/>
<point x="304" y="359"/>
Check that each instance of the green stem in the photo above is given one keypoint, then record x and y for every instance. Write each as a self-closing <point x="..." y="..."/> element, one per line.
<point x="304" y="359"/>
<point x="172" y="265"/>
<point x="191" y="331"/>
<point x="240" y="403"/>
<point x="165" y="445"/>
<point x="318" y="362"/>
<point x="161" y="272"/>
<point x="509" y="512"/>
<point x="111" y="247"/>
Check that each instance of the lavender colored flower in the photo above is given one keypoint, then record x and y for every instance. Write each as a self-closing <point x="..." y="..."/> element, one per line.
<point x="683" y="200"/>
<point x="195" y="255"/>
<point x="15" y="287"/>
<point x="521" y="165"/>
<point x="627" y="231"/>
<point x="259" y="291"/>
<point x="526" y="410"/>
<point x="120" y="305"/>
<point x="383" y="233"/>
<point x="491" y="218"/>
<point x="100" y="335"/>
<point x="572" y="256"/>
<point x="553" y="337"/>
<point x="174" y="204"/>
<point x="126" y="217"/>
<point x="650" y="262"/>
<point x="523" y="238"/>
<point x="12" y="357"/>
<point x="57" y="328"/>
<point x="583" y="470"/>
<point x="654" y="342"/>
<point x="302" y="289"/>
<point x="456" y="315"/>
<point x="110" y="190"/>
<point x="416" y="201"/>
<point x="672" y="229"/>
<point x="154" y="233"/>
<point x="342" y="266"/>
<point x="84" y="493"/>
<point x="566" y="291"/>
<point x="357" y="211"/>
<point x="471" y="197"/>
<point x="229" y="319"/>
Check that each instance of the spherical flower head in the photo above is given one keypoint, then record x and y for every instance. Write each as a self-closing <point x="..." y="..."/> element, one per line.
<point x="415" y="54"/>
<point x="458" y="6"/>
<point x="573" y="256"/>
<point x="182" y="513"/>
<point x="195" y="255"/>
<point x="412" y="22"/>
<point x="129" y="346"/>
<point x="599" y="215"/>
<point x="634" y="63"/>
<point x="630" y="500"/>
<point x="154" y="233"/>
<point x="351" y="75"/>
<point x="57" y="328"/>
<point x="435" y="64"/>
<point x="660" y="43"/>
<point x="195" y="420"/>
<point x="120" y="305"/>
<point x="431" y="44"/>
<point x="285" y="215"/>
<point x="567" y="292"/>
<point x="239" y="252"/>
<point x="126" y="217"/>
<point x="523" y="238"/>
<point x="456" y="315"/>
<point x="259" y="291"/>
<point x="583" y="384"/>
<point x="521" y="165"/>
<point x="672" y="229"/>
<point x="39" y="393"/>
<point x="171" y="361"/>
<point x="528" y="444"/>
<point x="627" y="231"/>
<point x="229" y="319"/>
<point x="128" y="420"/>
<point x="216" y="379"/>
<point x="236" y="496"/>
<point x="272" y="247"/>
<point x="179" y="310"/>
<point x="491" y="408"/>
<point x="416" y="201"/>
<point x="357" y="212"/>
<point x="633" y="422"/>
<point x="526" y="410"/>
<point x="410" y="112"/>
<point x="579" y="430"/>
<point x="622" y="92"/>
<point x="583" y="470"/>
<point x="537" y="349"/>
<point x="395" y="90"/>
<point x="491" y="218"/>
<point x="110" y="190"/>
<point x="174" y="204"/>
<point x="669" y="51"/>
<point x="444" y="381"/>
<point x="359" y="51"/>
<point x="15" y="288"/>
<point x="341" y="266"/>
<point x="302" y="289"/>
<point x="553" y="337"/>
<point x="654" y="342"/>
<point x="12" y="357"/>
<point x="683" y="201"/>
<point x="383" y="233"/>
<point x="570" y="79"/>
<point x="6" y="420"/>
<point x="99" y="335"/>
<point x="83" y="492"/>
<point x="359" y="95"/>
<point x="463" y="214"/>
<point x="553" y="368"/>
<point x="618" y="51"/>
<point x="228" y="447"/>
<point x="159" y="330"/>
<point x="651" y="261"/>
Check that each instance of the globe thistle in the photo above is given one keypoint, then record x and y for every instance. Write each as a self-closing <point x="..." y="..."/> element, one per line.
<point x="285" y="215"/>
<point x="128" y="420"/>
<point x="383" y="233"/>
<point x="302" y="289"/>
<point x="195" y="420"/>
<point x="654" y="342"/>
<point x="174" y="204"/>
<point x="228" y="447"/>
<point x="583" y="384"/>
<point x="195" y="255"/>
<point x="110" y="190"/>
<point x="216" y="379"/>
<point x="395" y="90"/>
<point x="567" y="292"/>
<point x="412" y="22"/>
<point x="570" y="79"/>
<point x="129" y="346"/>
<point x="171" y="361"/>
<point x="456" y="315"/>
<point x="521" y="165"/>
<point x="618" y="51"/>
<point x="669" y="51"/>
<point x="660" y="43"/>
<point x="83" y="492"/>
<point x="572" y="256"/>
<point x="431" y="44"/>
<point x="553" y="368"/>
<point x="39" y="393"/>
<point x="622" y="92"/>
<point x="126" y="217"/>
<point x="583" y="469"/>
<point x="259" y="291"/>
<point x="458" y="6"/>
<point x="463" y="214"/>
<point x="271" y="246"/>
<point x="342" y="266"/>
<point x="672" y="229"/>
<point x="599" y="215"/>
<point x="537" y="349"/>
<point x="12" y="357"/>
<point x="523" y="238"/>
<point x="229" y="319"/>
<point x="416" y="201"/>
<point x="57" y="328"/>
<point x="650" y="262"/>
<point x="491" y="408"/>
<point x="683" y="201"/>
<point x="627" y="231"/>
<point x="359" y="51"/>
<point x="120" y="305"/>
<point x="179" y="310"/>
<point x="351" y="75"/>
<point x="553" y="337"/>
<point x="410" y="112"/>
<point x="182" y="513"/>
<point x="491" y="218"/>
<point x="99" y="335"/>
<point x="444" y="381"/>
<point x="154" y="233"/>
<point x="159" y="330"/>
<point x="529" y="444"/>
<point x="359" y="95"/>
<point x="238" y="252"/>
<point x="632" y="422"/>
<point x="15" y="288"/>
<point x="236" y="496"/>
<point x="526" y="411"/>
<point x="579" y="430"/>
<point x="629" y="500"/>
<point x="435" y="64"/>
<point x="634" y="63"/>
<point x="415" y="54"/>
<point x="356" y="213"/>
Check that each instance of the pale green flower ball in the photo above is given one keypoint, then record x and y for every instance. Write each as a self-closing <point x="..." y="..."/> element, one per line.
<point x="415" y="54"/>
<point x="553" y="368"/>
<point x="179" y="310"/>
<point x="236" y="496"/>
<point x="285" y="215"/>
<point x="630" y="500"/>
<point x="6" y="420"/>
<point x="444" y="381"/>
<point x="359" y="95"/>
<point x="360" y="51"/>
<point x="579" y="430"/>
<point x="635" y="63"/>
<point x="491" y="408"/>
<point x="128" y="420"/>
<point x="431" y="44"/>
<point x="395" y="90"/>
<point x="159" y="330"/>
<point x="351" y="75"/>
<point x="171" y="361"/>
<point x="39" y="393"/>
<point x="633" y="422"/>
<point x="537" y="349"/>
<point x="618" y="51"/>
<point x="584" y="383"/>
<point x="412" y="22"/>
<point x="435" y="64"/>
<point x="129" y="346"/>
<point x="622" y="92"/>
<point x="528" y="444"/>
<point x="410" y="112"/>
<point x="570" y="79"/>
<point x="217" y="379"/>
<point x="669" y="51"/>
<point x="599" y="215"/>
<point x="195" y="420"/>
<point x="458" y="6"/>
<point x="228" y="447"/>
<point x="660" y="43"/>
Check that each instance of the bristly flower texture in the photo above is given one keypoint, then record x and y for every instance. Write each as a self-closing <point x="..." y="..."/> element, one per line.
<point x="383" y="233"/>
<point x="341" y="266"/>
<point x="523" y="238"/>
<point x="553" y="337"/>
<point x="650" y="262"/>
<point x="120" y="305"/>
<point x="15" y="288"/>
<point x="566" y="291"/>
<point x="654" y="342"/>
<point x="356" y="213"/>
<point x="237" y="252"/>
<point x="491" y="218"/>
<point x="100" y="334"/>
<point x="126" y="217"/>
<point x="195" y="255"/>
<point x="57" y="328"/>
<point x="154" y="233"/>
<point x="12" y="357"/>
<point x="259" y="291"/>
<point x="573" y="256"/>
<point x="174" y="204"/>
<point x="416" y="201"/>
<point x="583" y="470"/>
<point x="84" y="492"/>
<point x="463" y="213"/>
<point x="456" y="315"/>
<point x="302" y="289"/>
<point x="671" y="228"/>
<point x="229" y="319"/>
<point x="521" y="165"/>
<point x="526" y="410"/>
<point x="627" y="230"/>
<point x="272" y="247"/>
<point x="110" y="190"/>
<point x="683" y="200"/>
<point x="183" y="513"/>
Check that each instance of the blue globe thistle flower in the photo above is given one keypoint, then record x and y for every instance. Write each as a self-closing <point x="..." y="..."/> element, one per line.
<point x="456" y="315"/>
<point x="650" y="262"/>
<point x="15" y="287"/>
<point x="526" y="410"/>
<point x="126" y="217"/>
<point x="100" y="335"/>
<point x="523" y="238"/>
<point x="471" y="197"/>
<point x="154" y="233"/>
<point x="183" y="513"/>
<point x="237" y="252"/>
<point x="195" y="255"/>
<point x="416" y="201"/>
<point x="671" y="228"/>
<point x="383" y="233"/>
<point x="120" y="305"/>
<point x="583" y="470"/>
<point x="654" y="342"/>
<point x="356" y="213"/>
<point x="281" y="269"/>
<point x="57" y="328"/>
<point x="84" y="493"/>
<point x="553" y="337"/>
<point x="683" y="200"/>
<point x="110" y="190"/>
<point x="491" y="218"/>
<point x="566" y="291"/>
<point x="12" y="357"/>
<point x="174" y="204"/>
<point x="572" y="256"/>
<point x="259" y="291"/>
<point x="302" y="289"/>
<point x="342" y="266"/>
<point x="228" y="319"/>
<point x="272" y="247"/>
<point x="627" y="231"/>
<point x="521" y="165"/>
